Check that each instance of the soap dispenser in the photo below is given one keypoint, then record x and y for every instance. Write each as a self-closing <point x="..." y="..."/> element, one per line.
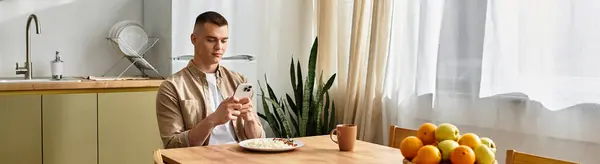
<point x="56" y="67"/>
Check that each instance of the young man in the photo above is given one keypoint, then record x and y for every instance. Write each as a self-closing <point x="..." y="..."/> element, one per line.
<point x="195" y="106"/>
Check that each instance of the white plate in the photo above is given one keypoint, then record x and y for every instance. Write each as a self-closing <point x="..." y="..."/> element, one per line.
<point x="113" y="32"/>
<point x="135" y="37"/>
<point x="130" y="32"/>
<point x="118" y="26"/>
<point x="244" y="144"/>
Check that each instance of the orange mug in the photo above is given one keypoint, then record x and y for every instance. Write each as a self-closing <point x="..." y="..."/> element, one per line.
<point x="346" y="136"/>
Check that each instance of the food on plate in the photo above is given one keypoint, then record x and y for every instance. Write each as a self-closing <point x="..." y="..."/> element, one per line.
<point x="275" y="143"/>
<point x="286" y="141"/>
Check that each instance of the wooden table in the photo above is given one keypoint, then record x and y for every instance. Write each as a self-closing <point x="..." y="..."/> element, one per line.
<point x="316" y="149"/>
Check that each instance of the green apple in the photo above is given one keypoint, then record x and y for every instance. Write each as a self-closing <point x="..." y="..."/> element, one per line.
<point x="484" y="155"/>
<point x="446" y="147"/>
<point x="446" y="131"/>
<point x="488" y="142"/>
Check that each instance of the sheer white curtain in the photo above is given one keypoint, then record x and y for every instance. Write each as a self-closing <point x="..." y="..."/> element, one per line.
<point x="412" y="62"/>
<point x="550" y="52"/>
<point x="523" y="72"/>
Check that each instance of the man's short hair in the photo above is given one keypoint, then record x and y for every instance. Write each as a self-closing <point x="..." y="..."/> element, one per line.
<point x="211" y="17"/>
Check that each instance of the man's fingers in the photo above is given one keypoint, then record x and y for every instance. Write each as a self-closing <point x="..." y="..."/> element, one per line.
<point x="243" y="111"/>
<point x="246" y="106"/>
<point x="244" y="100"/>
<point x="235" y="106"/>
<point x="231" y="99"/>
<point x="233" y="117"/>
<point x="235" y="113"/>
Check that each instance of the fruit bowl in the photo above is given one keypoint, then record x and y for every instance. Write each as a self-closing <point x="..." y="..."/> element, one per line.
<point x="444" y="143"/>
<point x="406" y="161"/>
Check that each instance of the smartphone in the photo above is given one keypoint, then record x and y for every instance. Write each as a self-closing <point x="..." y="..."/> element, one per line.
<point x="243" y="90"/>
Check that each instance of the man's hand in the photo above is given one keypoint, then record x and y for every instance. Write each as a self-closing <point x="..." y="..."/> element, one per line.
<point x="227" y="110"/>
<point x="246" y="110"/>
<point x="252" y="127"/>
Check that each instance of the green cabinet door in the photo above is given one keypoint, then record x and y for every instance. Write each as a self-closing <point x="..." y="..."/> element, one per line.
<point x="20" y="129"/>
<point x="127" y="127"/>
<point x="70" y="128"/>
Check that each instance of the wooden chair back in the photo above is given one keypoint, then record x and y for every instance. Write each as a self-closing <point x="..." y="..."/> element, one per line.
<point x="515" y="157"/>
<point x="158" y="157"/>
<point x="398" y="134"/>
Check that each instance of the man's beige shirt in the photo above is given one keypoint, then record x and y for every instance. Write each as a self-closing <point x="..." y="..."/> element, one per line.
<point x="182" y="102"/>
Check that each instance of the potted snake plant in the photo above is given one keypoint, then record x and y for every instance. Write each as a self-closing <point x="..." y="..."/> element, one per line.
<point x="308" y="111"/>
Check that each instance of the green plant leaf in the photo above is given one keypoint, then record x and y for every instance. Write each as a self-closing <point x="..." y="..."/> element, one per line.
<point x="286" y="123"/>
<point x="294" y="122"/>
<point x="273" y="123"/>
<point x="318" y="118"/>
<point x="273" y="102"/>
<point x="298" y="92"/>
<point x="277" y="112"/>
<point x="271" y="93"/>
<point x="293" y="74"/>
<point x="332" y="121"/>
<point x="291" y="103"/>
<point x="325" y="124"/>
<point x="310" y="127"/>
<point x="319" y="105"/>
<point x="308" y="88"/>
<point x="263" y="117"/>
<point x="292" y="114"/>
<point x="329" y="82"/>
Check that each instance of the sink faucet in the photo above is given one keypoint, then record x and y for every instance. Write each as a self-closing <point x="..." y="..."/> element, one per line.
<point x="27" y="69"/>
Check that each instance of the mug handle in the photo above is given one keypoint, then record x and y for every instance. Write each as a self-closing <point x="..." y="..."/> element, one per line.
<point x="331" y="135"/>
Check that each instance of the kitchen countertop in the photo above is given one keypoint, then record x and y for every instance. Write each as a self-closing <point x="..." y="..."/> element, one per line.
<point x="82" y="85"/>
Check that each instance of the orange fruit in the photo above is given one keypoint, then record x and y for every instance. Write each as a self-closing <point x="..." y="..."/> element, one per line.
<point x="469" y="139"/>
<point x="427" y="133"/>
<point x="410" y="146"/>
<point x="428" y="154"/>
<point x="462" y="155"/>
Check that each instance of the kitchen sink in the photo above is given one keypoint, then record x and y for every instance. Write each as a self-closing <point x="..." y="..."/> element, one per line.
<point x="36" y="80"/>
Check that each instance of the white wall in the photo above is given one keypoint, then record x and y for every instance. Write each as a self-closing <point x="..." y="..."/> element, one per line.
<point x="289" y="31"/>
<point x="75" y="28"/>
<point x="273" y="31"/>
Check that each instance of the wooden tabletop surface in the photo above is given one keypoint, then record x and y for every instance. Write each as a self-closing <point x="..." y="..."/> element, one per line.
<point x="85" y="84"/>
<point x="316" y="149"/>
